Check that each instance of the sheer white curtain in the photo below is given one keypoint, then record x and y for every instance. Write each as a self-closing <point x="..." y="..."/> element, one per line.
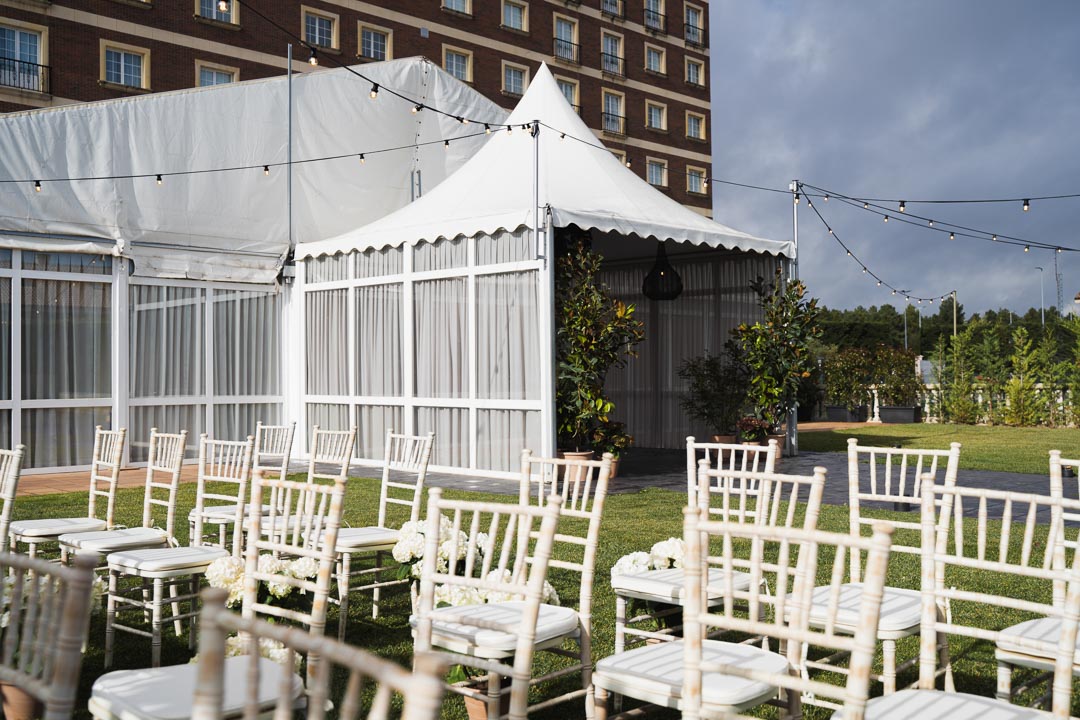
<point x="501" y="435"/>
<point x="507" y="342"/>
<point x="372" y="422"/>
<point x="166" y="349"/>
<point x="327" y="268"/>
<point x="235" y="421"/>
<point x="442" y="353"/>
<point x="247" y="359"/>
<point x="166" y="418"/>
<point x="503" y="247"/>
<point x="451" y="427"/>
<point x="327" y="337"/>
<point x="375" y="263"/>
<point x="328" y="416"/>
<point x="440" y="255"/>
<point x="380" y="365"/>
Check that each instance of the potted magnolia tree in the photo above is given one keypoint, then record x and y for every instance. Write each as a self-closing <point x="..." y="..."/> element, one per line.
<point x="899" y="387"/>
<point x="777" y="351"/>
<point x="716" y="391"/>
<point x="846" y="388"/>
<point x="594" y="332"/>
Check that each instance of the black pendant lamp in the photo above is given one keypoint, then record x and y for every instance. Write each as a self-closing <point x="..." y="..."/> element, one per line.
<point x="662" y="282"/>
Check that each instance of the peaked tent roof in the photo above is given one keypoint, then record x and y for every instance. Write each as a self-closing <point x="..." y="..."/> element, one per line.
<point x="581" y="181"/>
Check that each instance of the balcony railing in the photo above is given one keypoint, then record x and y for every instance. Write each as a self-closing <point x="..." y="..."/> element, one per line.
<point x="655" y="21"/>
<point x="612" y="8"/>
<point x="611" y="64"/>
<point x="696" y="36"/>
<point x="614" y="124"/>
<point x="566" y="50"/>
<point x="24" y="75"/>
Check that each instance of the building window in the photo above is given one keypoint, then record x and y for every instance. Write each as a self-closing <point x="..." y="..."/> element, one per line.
<point x="611" y="55"/>
<point x="566" y="40"/>
<point x="620" y="156"/>
<point x="22" y="63"/>
<point x="695" y="125"/>
<point x="655" y="59"/>
<point x="654" y="15"/>
<point x="569" y="89"/>
<point x="612" y="8"/>
<point x="125" y="65"/>
<point x="515" y="15"/>
<point x="458" y="63"/>
<point x="655" y="115"/>
<point x="614" y="118"/>
<point x="207" y="74"/>
<point x="695" y="72"/>
<point x="459" y="6"/>
<point x="656" y="172"/>
<point x="695" y="180"/>
<point x="376" y="43"/>
<point x="694" y="23"/>
<point x="515" y="79"/>
<point x="208" y="9"/>
<point x="320" y="29"/>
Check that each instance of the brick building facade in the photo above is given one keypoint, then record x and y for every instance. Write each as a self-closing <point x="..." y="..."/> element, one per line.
<point x="637" y="70"/>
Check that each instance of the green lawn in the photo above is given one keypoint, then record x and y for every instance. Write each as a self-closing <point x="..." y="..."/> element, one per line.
<point x="632" y="522"/>
<point x="1007" y="449"/>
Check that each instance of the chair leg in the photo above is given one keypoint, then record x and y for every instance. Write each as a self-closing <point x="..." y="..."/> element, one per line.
<point x="155" y="622"/>
<point x="494" y="688"/>
<point x="193" y="629"/>
<point x="945" y="662"/>
<point x="178" y="624"/>
<point x="585" y="648"/>
<point x="110" y="618"/>
<point x="620" y="642"/>
<point x="888" y="666"/>
<point x="1004" y="681"/>
<point x="343" y="594"/>
<point x="600" y="703"/>
<point x="375" y="591"/>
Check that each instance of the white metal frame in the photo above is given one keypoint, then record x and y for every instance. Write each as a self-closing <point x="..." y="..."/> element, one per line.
<point x="409" y="402"/>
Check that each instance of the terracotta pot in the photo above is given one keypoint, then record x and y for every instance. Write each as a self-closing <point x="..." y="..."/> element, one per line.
<point x="727" y="440"/>
<point x="614" y="469"/>
<point x="477" y="709"/>
<point x="19" y="704"/>
<point x="576" y="454"/>
<point x="780" y="440"/>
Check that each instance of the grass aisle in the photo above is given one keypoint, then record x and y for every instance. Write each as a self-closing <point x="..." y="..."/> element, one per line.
<point x="1004" y="449"/>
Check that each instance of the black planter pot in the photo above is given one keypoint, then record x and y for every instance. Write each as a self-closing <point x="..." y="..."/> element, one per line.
<point x="897" y="415"/>
<point x="839" y="413"/>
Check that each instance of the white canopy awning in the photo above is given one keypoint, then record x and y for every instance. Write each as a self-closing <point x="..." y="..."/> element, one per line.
<point x="579" y="180"/>
<point x="230" y="226"/>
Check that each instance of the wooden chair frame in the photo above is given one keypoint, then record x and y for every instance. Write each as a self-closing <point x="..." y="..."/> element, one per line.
<point x="744" y="457"/>
<point x="519" y="545"/>
<point x="105" y="465"/>
<point x="404" y="455"/>
<point x="422" y="689"/>
<point x="10" y="470"/>
<point x="273" y="442"/>
<point x="333" y="448"/>
<point x="49" y="615"/>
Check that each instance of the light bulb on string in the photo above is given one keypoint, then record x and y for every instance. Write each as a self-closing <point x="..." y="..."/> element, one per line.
<point x="562" y="136"/>
<point x="849" y="253"/>
<point x="903" y="206"/>
<point x="627" y="162"/>
<point x="374" y="91"/>
<point x="920" y="301"/>
<point x="886" y="218"/>
<point x="159" y="180"/>
<point x="362" y="159"/>
<point x="831" y="231"/>
<point x="223" y="6"/>
<point x="826" y="197"/>
<point x="509" y="129"/>
<point x="796" y="198"/>
<point x="313" y="60"/>
<point x="866" y="206"/>
<point x="1058" y="250"/>
<point x="1027" y="248"/>
<point x="864" y="270"/>
<point x="1027" y="205"/>
<point x="487" y="129"/>
<point x="994" y="238"/>
<point x="952" y="236"/>
<point x="446" y="144"/>
<point x="37" y="186"/>
<point x="417" y="108"/>
<point x="879" y="283"/>
<point x="893" y="292"/>
<point x="931" y="223"/>
<point x="931" y="301"/>
<point x="266" y="169"/>
<point x="705" y="185"/>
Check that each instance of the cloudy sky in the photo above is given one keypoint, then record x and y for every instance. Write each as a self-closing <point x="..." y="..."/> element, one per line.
<point x="920" y="99"/>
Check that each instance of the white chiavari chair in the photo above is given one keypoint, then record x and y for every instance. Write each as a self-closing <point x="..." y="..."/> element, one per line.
<point x="10" y="471"/>
<point x="745" y="457"/>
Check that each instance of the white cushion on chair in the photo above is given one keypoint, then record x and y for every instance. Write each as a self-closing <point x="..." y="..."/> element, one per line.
<point x="365" y="538"/>
<point x="107" y="541"/>
<point x="165" y="693"/>
<point x="226" y="512"/>
<point x="654" y="673"/>
<point x="667" y="585"/>
<point x="1044" y="630"/>
<point x="552" y="622"/>
<point x="937" y="705"/>
<point x="165" y="559"/>
<point x="901" y="609"/>
<point x="51" y="527"/>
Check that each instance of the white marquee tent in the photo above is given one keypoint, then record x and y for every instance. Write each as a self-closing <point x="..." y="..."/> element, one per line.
<point x="438" y="316"/>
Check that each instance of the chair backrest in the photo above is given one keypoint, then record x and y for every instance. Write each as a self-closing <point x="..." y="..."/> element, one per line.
<point x="407" y="457"/>
<point x="47" y="611"/>
<point x="302" y="527"/>
<point x="105" y="471"/>
<point x="892" y="475"/>
<point x="958" y="564"/>
<point x="10" y="471"/>
<point x="497" y="560"/>
<point x="229" y="462"/>
<point x="166" y="456"/>
<point x="333" y="449"/>
<point x="730" y="456"/>
<point x="776" y="604"/>
<point x="421" y="690"/>
<point x="273" y="447"/>
<point x="1058" y="465"/>
<point x="760" y="498"/>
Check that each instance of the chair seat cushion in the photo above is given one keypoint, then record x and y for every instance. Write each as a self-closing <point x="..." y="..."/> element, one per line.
<point x="901" y="609"/>
<point x="165" y="693"/>
<point x="654" y="673"/>
<point x="365" y="538"/>
<point x="107" y="541"/>
<point x="552" y="622"/>
<point x="937" y="705"/>
<point x="53" y="527"/>
<point x="226" y="512"/>
<point x="156" y="560"/>
<point x="667" y="585"/>
<point x="1025" y="639"/>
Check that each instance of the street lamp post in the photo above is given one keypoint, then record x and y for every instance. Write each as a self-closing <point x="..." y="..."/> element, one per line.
<point x="1042" y="296"/>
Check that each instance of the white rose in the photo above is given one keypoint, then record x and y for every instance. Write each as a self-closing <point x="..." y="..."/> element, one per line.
<point x="632" y="564"/>
<point x="304" y="568"/>
<point x="275" y="566"/>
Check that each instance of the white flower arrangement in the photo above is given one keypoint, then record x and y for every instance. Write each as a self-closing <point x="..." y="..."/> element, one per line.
<point x="665" y="554"/>
<point x="236" y="646"/>
<point x="633" y="564"/>
<point x="228" y="573"/>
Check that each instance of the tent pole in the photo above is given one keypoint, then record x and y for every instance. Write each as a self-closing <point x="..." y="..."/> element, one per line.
<point x="792" y="440"/>
<point x="542" y="224"/>
<point x="288" y="157"/>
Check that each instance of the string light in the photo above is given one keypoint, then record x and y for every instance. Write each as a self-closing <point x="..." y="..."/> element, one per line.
<point x="266" y="169"/>
<point x="509" y="129"/>
<point x="37" y="186"/>
<point x="446" y="144"/>
<point x="864" y="269"/>
<point x="362" y="159"/>
<point x="313" y="60"/>
<point x="562" y="136"/>
<point x="1027" y="248"/>
<point x="374" y="91"/>
<point x="826" y="197"/>
<point x="830" y="231"/>
<point x="903" y="206"/>
<point x="952" y="236"/>
<point x="796" y="198"/>
<point x="159" y="180"/>
<point x="886" y="218"/>
<point x="223" y="6"/>
<point x="487" y="129"/>
<point x="1027" y="205"/>
<point x="879" y="283"/>
<point x="704" y="184"/>
<point x="930" y="223"/>
<point x="866" y="206"/>
<point x="994" y="238"/>
<point x="417" y="108"/>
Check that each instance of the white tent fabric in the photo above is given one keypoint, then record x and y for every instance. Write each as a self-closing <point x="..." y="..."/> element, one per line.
<point x="230" y="226"/>
<point x="581" y="182"/>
